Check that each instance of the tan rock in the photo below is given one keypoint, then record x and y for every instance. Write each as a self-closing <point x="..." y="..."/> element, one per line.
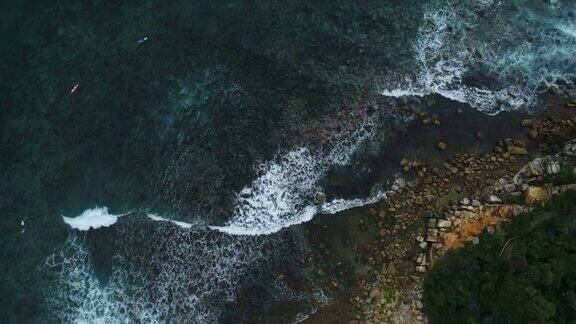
<point x="451" y="168"/>
<point x="537" y="195"/>
<point x="517" y="150"/>
<point x="527" y="123"/>
<point x="441" y="145"/>
<point x="442" y="223"/>
<point x="391" y="268"/>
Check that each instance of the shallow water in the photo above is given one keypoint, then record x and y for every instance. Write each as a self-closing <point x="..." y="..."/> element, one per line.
<point x="223" y="122"/>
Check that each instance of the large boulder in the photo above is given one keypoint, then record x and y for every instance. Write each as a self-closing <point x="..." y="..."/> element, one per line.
<point x="517" y="150"/>
<point x="537" y="195"/>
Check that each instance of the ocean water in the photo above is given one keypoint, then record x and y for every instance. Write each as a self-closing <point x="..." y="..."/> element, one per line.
<point x="158" y="158"/>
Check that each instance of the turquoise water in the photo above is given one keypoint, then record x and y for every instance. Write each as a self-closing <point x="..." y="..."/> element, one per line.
<point x="222" y="115"/>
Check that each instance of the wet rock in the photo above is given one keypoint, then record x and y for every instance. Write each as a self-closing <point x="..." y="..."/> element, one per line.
<point x="451" y="168"/>
<point x="426" y="120"/>
<point x="519" y="143"/>
<point x="537" y="195"/>
<point x="526" y="123"/>
<point x="441" y="145"/>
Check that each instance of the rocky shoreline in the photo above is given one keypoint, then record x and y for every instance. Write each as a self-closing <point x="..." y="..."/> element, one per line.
<point x="456" y="204"/>
<point x="442" y="204"/>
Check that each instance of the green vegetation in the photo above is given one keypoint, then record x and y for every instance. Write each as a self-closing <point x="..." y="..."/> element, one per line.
<point x="523" y="273"/>
<point x="565" y="176"/>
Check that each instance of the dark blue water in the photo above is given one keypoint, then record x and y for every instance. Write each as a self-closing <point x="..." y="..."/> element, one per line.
<point x="227" y="116"/>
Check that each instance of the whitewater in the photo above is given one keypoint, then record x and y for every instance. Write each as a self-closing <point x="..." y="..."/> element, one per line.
<point x="519" y="54"/>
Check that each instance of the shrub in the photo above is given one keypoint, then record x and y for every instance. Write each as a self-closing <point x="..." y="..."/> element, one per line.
<point x="531" y="280"/>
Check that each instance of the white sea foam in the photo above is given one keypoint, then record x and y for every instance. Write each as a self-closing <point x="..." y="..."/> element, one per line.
<point x="338" y="205"/>
<point x="157" y="218"/>
<point x="182" y="276"/>
<point x="92" y="218"/>
<point x="78" y="297"/>
<point x="568" y="29"/>
<point x="517" y="51"/>
<point x="279" y="197"/>
<point x="283" y="193"/>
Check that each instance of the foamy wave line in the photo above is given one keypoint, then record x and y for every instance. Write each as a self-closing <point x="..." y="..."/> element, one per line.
<point x="92" y="218"/>
<point x="338" y="205"/>
<point x="283" y="194"/>
<point x="446" y="50"/>
<point x="157" y="218"/>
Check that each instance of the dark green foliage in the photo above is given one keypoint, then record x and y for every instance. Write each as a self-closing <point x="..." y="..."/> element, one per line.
<point x="565" y="176"/>
<point x="531" y="280"/>
<point x="513" y="199"/>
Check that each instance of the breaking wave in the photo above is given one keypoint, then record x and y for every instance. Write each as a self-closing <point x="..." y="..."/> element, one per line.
<point x="283" y="194"/>
<point x="92" y="218"/>
<point x="492" y="55"/>
<point x="157" y="218"/>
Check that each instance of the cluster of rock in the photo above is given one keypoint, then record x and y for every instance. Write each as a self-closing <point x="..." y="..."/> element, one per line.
<point x="464" y="221"/>
<point x="401" y="215"/>
<point x="427" y="119"/>
<point x="550" y="131"/>
<point x="459" y="224"/>
<point x="445" y="207"/>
